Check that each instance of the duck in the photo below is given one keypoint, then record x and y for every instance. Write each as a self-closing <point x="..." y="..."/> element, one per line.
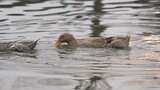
<point x="67" y="39"/>
<point x="19" y="46"/>
<point x="93" y="83"/>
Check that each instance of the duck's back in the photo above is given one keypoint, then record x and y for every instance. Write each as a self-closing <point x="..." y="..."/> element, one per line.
<point x="119" y="42"/>
<point x="23" y="46"/>
<point x="95" y="42"/>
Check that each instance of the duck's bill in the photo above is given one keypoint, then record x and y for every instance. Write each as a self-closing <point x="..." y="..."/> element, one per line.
<point x="57" y="44"/>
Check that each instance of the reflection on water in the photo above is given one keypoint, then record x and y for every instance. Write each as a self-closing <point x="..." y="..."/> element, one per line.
<point x="19" y="3"/>
<point x="97" y="7"/>
<point x="54" y="69"/>
<point x="94" y="83"/>
<point x="96" y="27"/>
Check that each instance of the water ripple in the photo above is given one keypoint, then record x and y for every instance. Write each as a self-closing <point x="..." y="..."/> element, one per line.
<point x="135" y="68"/>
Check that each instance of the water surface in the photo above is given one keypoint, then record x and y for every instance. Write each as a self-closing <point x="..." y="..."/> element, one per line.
<point x="53" y="69"/>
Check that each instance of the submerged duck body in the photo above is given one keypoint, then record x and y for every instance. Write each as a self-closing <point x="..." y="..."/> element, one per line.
<point x="19" y="46"/>
<point x="93" y="83"/>
<point x="95" y="42"/>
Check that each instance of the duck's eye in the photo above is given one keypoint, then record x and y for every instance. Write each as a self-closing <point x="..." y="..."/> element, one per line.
<point x="61" y="38"/>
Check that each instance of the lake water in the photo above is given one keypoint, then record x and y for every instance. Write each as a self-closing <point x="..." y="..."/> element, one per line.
<point x="51" y="69"/>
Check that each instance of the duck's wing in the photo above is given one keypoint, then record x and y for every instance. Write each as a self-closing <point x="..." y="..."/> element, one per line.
<point x="4" y="46"/>
<point x="118" y="42"/>
<point x="126" y="38"/>
<point x="19" y="47"/>
<point x="23" y="46"/>
<point x="30" y="44"/>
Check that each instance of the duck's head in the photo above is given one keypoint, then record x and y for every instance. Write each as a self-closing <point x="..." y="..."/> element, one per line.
<point x="66" y="38"/>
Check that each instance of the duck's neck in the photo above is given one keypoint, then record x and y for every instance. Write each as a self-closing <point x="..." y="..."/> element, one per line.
<point x="73" y="43"/>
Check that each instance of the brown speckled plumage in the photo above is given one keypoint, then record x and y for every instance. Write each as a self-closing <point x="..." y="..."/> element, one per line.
<point x="95" y="42"/>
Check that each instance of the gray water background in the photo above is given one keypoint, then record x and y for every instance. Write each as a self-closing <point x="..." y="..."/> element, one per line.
<point x="137" y="68"/>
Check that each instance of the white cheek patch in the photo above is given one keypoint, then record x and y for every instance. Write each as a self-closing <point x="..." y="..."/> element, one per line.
<point x="64" y="43"/>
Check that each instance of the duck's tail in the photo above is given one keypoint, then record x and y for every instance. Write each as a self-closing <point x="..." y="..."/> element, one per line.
<point x="128" y="37"/>
<point x="33" y="44"/>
